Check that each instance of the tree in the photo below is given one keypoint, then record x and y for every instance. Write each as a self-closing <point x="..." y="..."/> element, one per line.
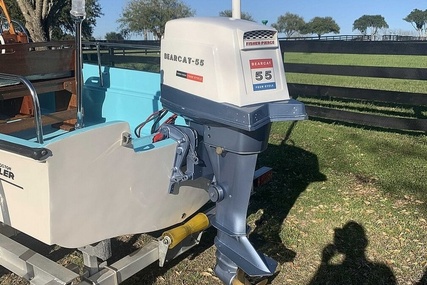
<point x="140" y="16"/>
<point x="14" y="12"/>
<point x="243" y="15"/>
<point x="374" y="22"/>
<point x="113" y="36"/>
<point x="289" y="24"/>
<point x="47" y="20"/>
<point x="418" y="20"/>
<point x="125" y="34"/>
<point x="320" y="26"/>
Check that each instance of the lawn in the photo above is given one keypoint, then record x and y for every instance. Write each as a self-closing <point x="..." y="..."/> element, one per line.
<point x="403" y="85"/>
<point x="375" y="179"/>
<point x="411" y="61"/>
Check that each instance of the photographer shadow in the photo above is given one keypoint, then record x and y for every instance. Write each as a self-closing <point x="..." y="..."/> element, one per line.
<point x="345" y="261"/>
<point x="423" y="280"/>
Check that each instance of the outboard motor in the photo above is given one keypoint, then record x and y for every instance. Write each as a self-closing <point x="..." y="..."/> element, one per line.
<point x="225" y="77"/>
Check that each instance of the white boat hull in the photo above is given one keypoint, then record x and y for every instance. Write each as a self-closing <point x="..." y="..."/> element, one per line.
<point x="93" y="188"/>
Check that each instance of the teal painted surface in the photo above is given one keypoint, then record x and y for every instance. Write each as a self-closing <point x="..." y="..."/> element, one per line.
<point x="20" y="141"/>
<point x="127" y="95"/>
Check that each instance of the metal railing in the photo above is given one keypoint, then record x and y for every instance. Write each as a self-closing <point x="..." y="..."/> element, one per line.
<point x="330" y="38"/>
<point x="35" y="99"/>
<point x="356" y="38"/>
<point x="121" y="53"/>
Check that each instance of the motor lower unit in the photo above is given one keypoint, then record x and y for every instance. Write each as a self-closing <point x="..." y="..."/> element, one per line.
<point x="225" y="77"/>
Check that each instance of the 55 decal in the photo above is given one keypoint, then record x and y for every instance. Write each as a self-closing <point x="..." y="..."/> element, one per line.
<point x="262" y="71"/>
<point x="261" y="75"/>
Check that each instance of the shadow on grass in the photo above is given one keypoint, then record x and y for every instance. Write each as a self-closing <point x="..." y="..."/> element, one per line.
<point x="294" y="169"/>
<point x="423" y="280"/>
<point x="350" y="244"/>
<point x="367" y="127"/>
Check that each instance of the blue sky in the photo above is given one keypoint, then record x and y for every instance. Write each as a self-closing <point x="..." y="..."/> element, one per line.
<point x="344" y="12"/>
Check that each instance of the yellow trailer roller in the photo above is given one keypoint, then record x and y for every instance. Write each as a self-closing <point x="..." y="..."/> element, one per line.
<point x="196" y="224"/>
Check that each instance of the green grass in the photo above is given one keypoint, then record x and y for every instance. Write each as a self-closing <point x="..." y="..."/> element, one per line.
<point x="340" y="174"/>
<point x="403" y="85"/>
<point x="361" y="106"/>
<point x="411" y="61"/>
<point x="365" y="107"/>
<point x="393" y="162"/>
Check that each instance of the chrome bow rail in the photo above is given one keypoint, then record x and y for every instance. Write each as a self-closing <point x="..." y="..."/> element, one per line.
<point x="37" y="112"/>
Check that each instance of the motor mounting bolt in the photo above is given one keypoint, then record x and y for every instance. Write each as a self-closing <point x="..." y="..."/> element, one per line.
<point x="219" y="150"/>
<point x="216" y="193"/>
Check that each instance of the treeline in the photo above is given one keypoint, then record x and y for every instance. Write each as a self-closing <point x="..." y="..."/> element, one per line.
<point x="292" y="24"/>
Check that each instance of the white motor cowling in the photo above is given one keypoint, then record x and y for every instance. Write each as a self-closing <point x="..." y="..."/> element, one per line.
<point x="225" y="60"/>
<point x="225" y="70"/>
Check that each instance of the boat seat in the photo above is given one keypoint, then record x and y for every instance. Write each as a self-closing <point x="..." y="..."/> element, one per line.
<point x="50" y="68"/>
